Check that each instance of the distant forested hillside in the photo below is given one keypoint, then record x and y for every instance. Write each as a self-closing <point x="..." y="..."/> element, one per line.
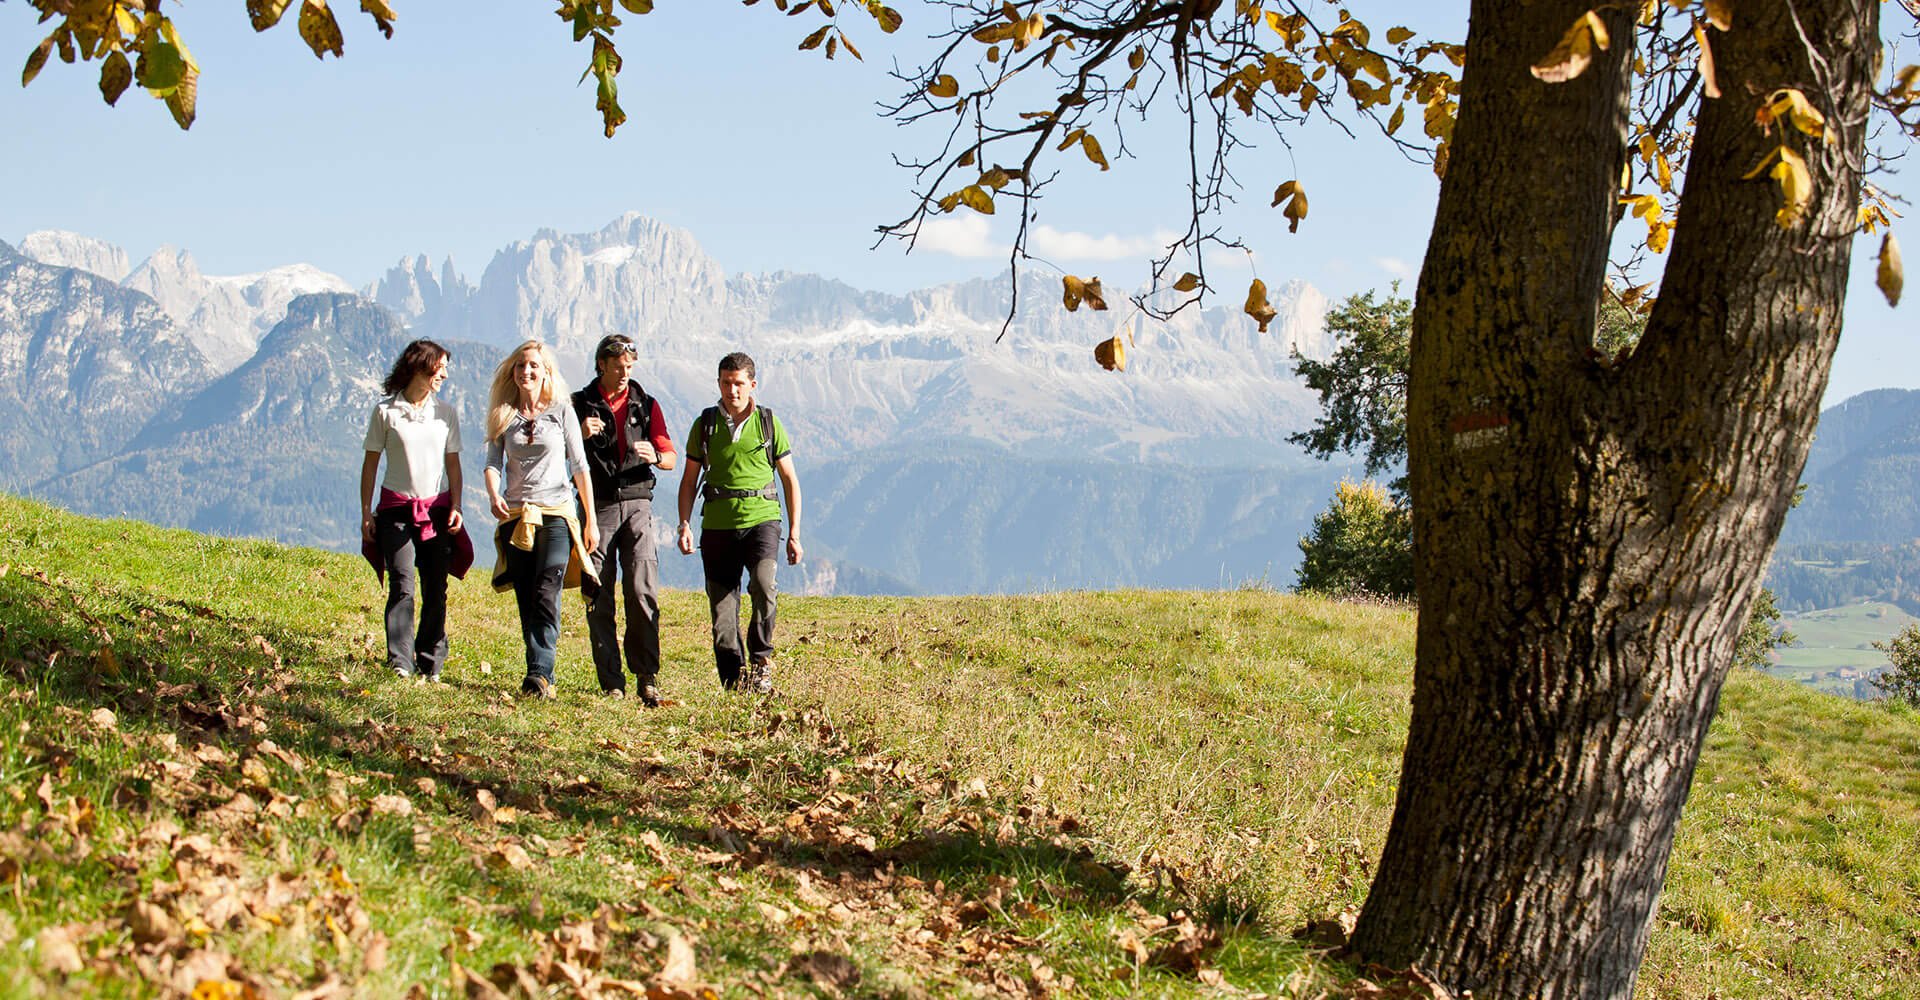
<point x="1856" y="535"/>
<point x="1831" y="574"/>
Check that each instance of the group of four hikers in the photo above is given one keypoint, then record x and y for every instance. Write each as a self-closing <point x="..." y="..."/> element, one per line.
<point x="570" y="481"/>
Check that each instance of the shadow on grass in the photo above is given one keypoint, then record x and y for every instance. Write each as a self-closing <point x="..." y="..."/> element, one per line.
<point x="177" y="665"/>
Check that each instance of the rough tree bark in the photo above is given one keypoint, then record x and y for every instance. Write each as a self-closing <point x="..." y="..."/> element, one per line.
<point x="1589" y="534"/>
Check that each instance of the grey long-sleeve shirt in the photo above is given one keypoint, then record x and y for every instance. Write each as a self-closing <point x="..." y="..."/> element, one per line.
<point x="538" y="467"/>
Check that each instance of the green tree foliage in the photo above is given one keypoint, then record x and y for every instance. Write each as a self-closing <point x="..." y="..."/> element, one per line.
<point x="1902" y="679"/>
<point x="1361" y="546"/>
<point x="1363" y="386"/>
<point x="1762" y="634"/>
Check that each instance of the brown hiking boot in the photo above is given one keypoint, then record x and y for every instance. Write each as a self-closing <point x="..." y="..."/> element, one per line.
<point x="649" y="696"/>
<point x="759" y="677"/>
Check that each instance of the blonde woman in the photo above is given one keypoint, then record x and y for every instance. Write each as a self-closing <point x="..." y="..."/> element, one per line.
<point x="535" y="462"/>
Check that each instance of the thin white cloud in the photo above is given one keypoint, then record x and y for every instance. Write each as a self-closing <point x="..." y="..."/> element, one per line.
<point x="1395" y="267"/>
<point x="1056" y="244"/>
<point x="961" y="236"/>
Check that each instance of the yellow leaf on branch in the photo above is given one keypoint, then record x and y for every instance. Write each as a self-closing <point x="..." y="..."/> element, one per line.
<point x="1295" y="198"/>
<point x="1257" y="306"/>
<point x="1095" y="295"/>
<point x="1720" y="14"/>
<point x="1574" y="54"/>
<point x="320" y="31"/>
<point x="116" y="73"/>
<point x="1709" y="77"/>
<point x="1091" y="146"/>
<point x="1112" y="354"/>
<point x="1659" y="233"/>
<point x="1789" y="171"/>
<point x="1187" y="283"/>
<point x="1791" y="104"/>
<point x="1645" y="206"/>
<point x="383" y="13"/>
<point x="976" y="197"/>
<point x="1890" y="276"/>
<point x="266" y="13"/>
<point x="185" y="95"/>
<point x="943" y="86"/>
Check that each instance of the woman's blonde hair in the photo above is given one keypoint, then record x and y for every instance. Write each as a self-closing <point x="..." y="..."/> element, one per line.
<point x="504" y="396"/>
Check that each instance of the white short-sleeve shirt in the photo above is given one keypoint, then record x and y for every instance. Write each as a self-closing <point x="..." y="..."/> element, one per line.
<point x="416" y="441"/>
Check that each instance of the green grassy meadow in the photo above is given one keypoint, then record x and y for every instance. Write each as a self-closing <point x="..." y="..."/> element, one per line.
<point x="212" y="789"/>
<point x="1835" y="646"/>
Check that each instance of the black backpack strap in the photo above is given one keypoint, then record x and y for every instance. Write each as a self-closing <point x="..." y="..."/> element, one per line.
<point x="709" y="422"/>
<point x="766" y="437"/>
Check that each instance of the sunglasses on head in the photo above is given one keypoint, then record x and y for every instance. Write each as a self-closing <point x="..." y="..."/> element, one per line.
<point x="616" y="350"/>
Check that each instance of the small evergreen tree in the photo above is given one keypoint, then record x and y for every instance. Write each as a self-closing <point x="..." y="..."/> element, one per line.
<point x="1762" y="633"/>
<point x="1361" y="545"/>
<point x="1901" y="681"/>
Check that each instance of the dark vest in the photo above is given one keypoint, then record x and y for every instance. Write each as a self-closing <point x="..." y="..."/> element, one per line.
<point x="617" y="475"/>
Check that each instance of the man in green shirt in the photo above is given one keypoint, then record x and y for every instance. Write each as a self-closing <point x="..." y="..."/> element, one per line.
<point x="734" y="453"/>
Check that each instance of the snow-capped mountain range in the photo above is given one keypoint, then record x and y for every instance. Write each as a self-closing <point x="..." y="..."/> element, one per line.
<point x="855" y="374"/>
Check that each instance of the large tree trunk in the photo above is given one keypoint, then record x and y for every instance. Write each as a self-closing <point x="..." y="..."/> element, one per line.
<point x="1588" y="534"/>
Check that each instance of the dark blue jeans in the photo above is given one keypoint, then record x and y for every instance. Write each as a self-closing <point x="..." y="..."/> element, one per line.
<point x="416" y="574"/>
<point x="725" y="553"/>
<point x="538" y="577"/>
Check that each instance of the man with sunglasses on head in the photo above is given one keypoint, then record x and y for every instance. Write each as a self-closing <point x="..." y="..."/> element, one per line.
<point x="626" y="439"/>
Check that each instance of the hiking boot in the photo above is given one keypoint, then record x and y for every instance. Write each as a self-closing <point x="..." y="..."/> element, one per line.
<point x="537" y="687"/>
<point x="614" y="694"/>
<point x="759" y="677"/>
<point x="649" y="696"/>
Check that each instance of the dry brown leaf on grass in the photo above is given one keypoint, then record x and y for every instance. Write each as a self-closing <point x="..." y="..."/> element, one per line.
<point x="58" y="948"/>
<point x="807" y="894"/>
<point x="507" y="855"/>
<point x="830" y="971"/>
<point x="680" y="968"/>
<point x="392" y="805"/>
<point x="474" y="987"/>
<point x="330" y="988"/>
<point x="151" y="924"/>
<point x="657" y="850"/>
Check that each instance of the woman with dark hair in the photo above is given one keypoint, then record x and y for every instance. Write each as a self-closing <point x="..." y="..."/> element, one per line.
<point x="415" y="534"/>
<point x="536" y="460"/>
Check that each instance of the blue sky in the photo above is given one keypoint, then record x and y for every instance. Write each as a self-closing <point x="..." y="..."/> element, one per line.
<point x="467" y="131"/>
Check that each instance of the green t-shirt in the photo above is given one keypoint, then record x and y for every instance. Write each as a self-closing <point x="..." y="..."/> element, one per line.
<point x="737" y="463"/>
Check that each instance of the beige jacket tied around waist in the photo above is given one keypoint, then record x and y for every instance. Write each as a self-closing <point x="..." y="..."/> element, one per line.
<point x="531" y="517"/>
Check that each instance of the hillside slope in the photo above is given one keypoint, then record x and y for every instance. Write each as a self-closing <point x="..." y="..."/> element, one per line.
<point x="1107" y="794"/>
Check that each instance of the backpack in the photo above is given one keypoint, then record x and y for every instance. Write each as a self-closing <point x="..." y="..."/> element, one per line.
<point x="710" y="422"/>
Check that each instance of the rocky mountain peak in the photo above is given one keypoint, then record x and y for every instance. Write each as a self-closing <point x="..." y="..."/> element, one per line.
<point x="226" y="315"/>
<point x="64" y="249"/>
